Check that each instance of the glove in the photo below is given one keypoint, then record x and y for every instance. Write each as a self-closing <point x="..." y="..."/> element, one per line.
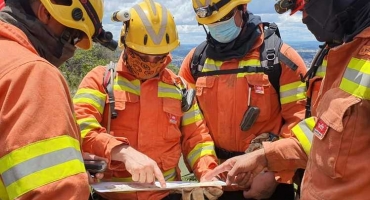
<point x="256" y="143"/>
<point x="212" y="193"/>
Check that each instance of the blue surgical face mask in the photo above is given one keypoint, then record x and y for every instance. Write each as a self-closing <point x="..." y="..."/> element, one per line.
<point x="225" y="31"/>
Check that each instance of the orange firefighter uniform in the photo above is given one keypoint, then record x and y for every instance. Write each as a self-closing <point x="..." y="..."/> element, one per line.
<point x="40" y="154"/>
<point x="224" y="99"/>
<point x="338" y="159"/>
<point x="150" y="119"/>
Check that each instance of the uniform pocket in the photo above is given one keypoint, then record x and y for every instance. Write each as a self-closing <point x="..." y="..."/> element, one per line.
<point x="206" y="94"/>
<point x="127" y="108"/>
<point x="173" y="114"/>
<point x="260" y="95"/>
<point x="336" y="111"/>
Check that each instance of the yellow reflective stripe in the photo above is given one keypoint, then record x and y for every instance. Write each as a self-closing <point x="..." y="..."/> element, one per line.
<point x="304" y="134"/>
<point x="356" y="78"/>
<point x="40" y="163"/>
<point x="170" y="91"/>
<point x="122" y="84"/>
<point x="87" y="124"/>
<point x="92" y="97"/>
<point x="292" y="92"/>
<point x="251" y="62"/>
<point x="321" y="71"/>
<point x="211" y="65"/>
<point x="192" y="115"/>
<point x="169" y="175"/>
<point x="3" y="193"/>
<point x="200" y="150"/>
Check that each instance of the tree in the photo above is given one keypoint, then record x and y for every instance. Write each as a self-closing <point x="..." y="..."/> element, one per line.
<point x="84" y="61"/>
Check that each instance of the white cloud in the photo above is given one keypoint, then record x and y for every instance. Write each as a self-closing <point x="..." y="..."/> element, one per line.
<point x="291" y="27"/>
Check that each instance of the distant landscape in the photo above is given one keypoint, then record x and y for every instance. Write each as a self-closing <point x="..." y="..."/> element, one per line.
<point x="306" y="50"/>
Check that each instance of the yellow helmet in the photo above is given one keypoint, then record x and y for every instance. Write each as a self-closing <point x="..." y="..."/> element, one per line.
<point x="148" y="28"/>
<point x="210" y="11"/>
<point x="83" y="15"/>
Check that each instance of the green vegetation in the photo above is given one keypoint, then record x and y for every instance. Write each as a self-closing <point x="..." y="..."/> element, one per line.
<point x="84" y="61"/>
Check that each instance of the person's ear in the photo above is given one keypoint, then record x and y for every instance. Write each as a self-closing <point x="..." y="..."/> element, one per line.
<point x="42" y="14"/>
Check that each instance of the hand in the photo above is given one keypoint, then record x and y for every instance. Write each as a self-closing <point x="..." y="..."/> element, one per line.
<point x="97" y="176"/>
<point x="253" y="162"/>
<point x="141" y="167"/>
<point x="262" y="187"/>
<point x="198" y="193"/>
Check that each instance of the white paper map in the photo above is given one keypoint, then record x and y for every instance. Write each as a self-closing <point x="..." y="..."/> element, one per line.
<point x="135" y="186"/>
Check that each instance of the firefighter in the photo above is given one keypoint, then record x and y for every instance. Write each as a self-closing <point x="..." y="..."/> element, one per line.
<point x="154" y="117"/>
<point x="338" y="130"/>
<point x="253" y="80"/>
<point x="40" y="155"/>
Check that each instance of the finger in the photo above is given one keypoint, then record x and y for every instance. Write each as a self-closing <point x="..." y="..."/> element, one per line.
<point x="226" y="166"/>
<point x="246" y="179"/>
<point x="149" y="176"/>
<point x="135" y="176"/>
<point x="142" y="177"/>
<point x="159" y="176"/>
<point x="239" y="178"/>
<point x="99" y="175"/>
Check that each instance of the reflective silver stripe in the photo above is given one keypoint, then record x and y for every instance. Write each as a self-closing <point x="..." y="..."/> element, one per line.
<point x="85" y="124"/>
<point x="152" y="5"/>
<point x="198" y="151"/>
<point x="169" y="90"/>
<point x="321" y="69"/>
<point x="306" y="130"/>
<point x="191" y="114"/>
<point x="39" y="163"/>
<point x="93" y="97"/>
<point x="126" y="83"/>
<point x="169" y="176"/>
<point x="357" y="77"/>
<point x="157" y="38"/>
<point x="292" y="92"/>
<point x="210" y="67"/>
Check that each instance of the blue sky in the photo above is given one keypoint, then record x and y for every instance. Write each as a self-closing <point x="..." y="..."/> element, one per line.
<point x="291" y="27"/>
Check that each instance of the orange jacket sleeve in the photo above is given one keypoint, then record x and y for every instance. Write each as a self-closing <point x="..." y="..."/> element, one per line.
<point x="285" y="155"/>
<point x="89" y="103"/>
<point x="197" y="144"/>
<point x="40" y="143"/>
<point x="292" y="91"/>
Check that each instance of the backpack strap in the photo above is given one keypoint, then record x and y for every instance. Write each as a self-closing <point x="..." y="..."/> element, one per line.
<point x="270" y="57"/>
<point x="198" y="59"/>
<point x="108" y="85"/>
<point x="187" y="94"/>
<point x="315" y="64"/>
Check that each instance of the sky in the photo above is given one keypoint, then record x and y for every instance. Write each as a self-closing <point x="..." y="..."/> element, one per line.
<point x="291" y="27"/>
